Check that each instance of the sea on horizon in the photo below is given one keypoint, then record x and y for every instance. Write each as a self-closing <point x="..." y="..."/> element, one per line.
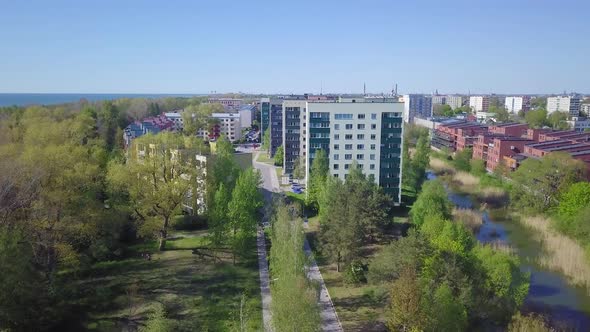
<point x="26" y="99"/>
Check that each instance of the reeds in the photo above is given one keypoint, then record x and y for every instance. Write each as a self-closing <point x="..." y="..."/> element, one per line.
<point x="471" y="219"/>
<point x="561" y="253"/>
<point x="440" y="167"/>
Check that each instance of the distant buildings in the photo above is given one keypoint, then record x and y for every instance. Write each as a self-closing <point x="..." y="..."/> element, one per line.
<point x="150" y="125"/>
<point x="479" y="103"/>
<point x="567" y="104"/>
<point x="516" y="104"/>
<point x="228" y="103"/>
<point x="271" y="114"/>
<point x="585" y="108"/>
<point x="579" y="123"/>
<point x="416" y="105"/>
<point x="454" y="101"/>
<point x="439" y="99"/>
<point x="246" y="115"/>
<point x="294" y="132"/>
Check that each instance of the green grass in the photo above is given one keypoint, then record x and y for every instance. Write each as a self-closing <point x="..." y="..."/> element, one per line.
<point x="264" y="158"/>
<point x="197" y="292"/>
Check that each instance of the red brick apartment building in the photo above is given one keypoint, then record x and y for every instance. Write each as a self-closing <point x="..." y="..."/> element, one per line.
<point x="457" y="136"/>
<point x="509" y="129"/>
<point x="504" y="147"/>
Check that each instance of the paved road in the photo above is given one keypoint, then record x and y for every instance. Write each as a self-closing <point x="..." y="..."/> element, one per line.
<point x="328" y="314"/>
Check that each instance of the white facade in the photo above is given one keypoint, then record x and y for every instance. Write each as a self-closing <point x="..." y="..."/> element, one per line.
<point x="454" y="101"/>
<point x="479" y="103"/>
<point x="229" y="125"/>
<point x="567" y="104"/>
<point x="417" y="105"/>
<point x="585" y="108"/>
<point x="246" y="116"/>
<point x="439" y="100"/>
<point x="514" y="104"/>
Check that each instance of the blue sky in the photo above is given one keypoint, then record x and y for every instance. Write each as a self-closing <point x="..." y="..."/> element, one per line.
<point x="132" y="46"/>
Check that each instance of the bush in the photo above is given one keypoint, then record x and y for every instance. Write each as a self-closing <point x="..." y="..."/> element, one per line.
<point x="354" y="273"/>
<point x="188" y="222"/>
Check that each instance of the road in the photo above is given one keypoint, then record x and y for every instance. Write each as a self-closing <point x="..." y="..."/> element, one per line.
<point x="330" y="321"/>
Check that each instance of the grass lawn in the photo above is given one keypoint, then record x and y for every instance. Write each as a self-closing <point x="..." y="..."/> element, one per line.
<point x="197" y="293"/>
<point x="359" y="307"/>
<point x="264" y="158"/>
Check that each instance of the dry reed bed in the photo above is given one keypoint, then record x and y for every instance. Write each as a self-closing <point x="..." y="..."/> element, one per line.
<point x="471" y="219"/>
<point x="562" y="253"/>
<point x="440" y="167"/>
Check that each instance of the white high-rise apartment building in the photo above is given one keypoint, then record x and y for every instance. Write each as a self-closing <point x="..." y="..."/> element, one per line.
<point x="479" y="103"/>
<point x="567" y="104"/>
<point x="417" y="105"/>
<point x="439" y="99"/>
<point x="454" y="101"/>
<point x="516" y="104"/>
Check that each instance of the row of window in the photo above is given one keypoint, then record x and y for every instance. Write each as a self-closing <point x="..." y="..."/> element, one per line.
<point x="359" y="156"/>
<point x="358" y="136"/>
<point x="347" y="166"/>
<point x="349" y="116"/>
<point x="360" y="126"/>
<point x="319" y="125"/>
<point x="319" y="135"/>
<point x="358" y="146"/>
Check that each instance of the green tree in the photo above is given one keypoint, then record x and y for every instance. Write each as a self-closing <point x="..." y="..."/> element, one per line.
<point x="541" y="181"/>
<point x="443" y="110"/>
<point x="243" y="208"/>
<point x="317" y="178"/>
<point x="431" y="201"/>
<point x="266" y="140"/>
<point x="218" y="216"/>
<point x="502" y="114"/>
<point x="558" y="120"/>
<point x="406" y="311"/>
<point x="157" y="182"/>
<point x="462" y="160"/>
<point x="539" y="103"/>
<point x="198" y="116"/>
<point x="575" y="198"/>
<point x="299" y="168"/>
<point x="478" y="167"/>
<point x="279" y="155"/>
<point x="294" y="299"/>
<point x="536" y="118"/>
<point x="446" y="313"/>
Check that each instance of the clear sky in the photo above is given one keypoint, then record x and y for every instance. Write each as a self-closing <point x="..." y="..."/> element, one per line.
<point x="133" y="46"/>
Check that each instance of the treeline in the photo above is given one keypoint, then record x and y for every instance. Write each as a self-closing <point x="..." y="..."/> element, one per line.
<point x="441" y="278"/>
<point x="70" y="197"/>
<point x="294" y="303"/>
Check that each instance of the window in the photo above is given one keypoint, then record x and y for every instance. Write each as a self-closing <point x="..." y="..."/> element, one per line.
<point x="373" y="136"/>
<point x="360" y="126"/>
<point x="336" y="136"/>
<point x="361" y="116"/>
<point x="346" y="167"/>
<point x="336" y="166"/>
<point x="348" y="157"/>
<point x="360" y="146"/>
<point x="360" y="166"/>
<point x="336" y="146"/>
<point x="373" y="116"/>
<point x="336" y="157"/>
<point x="342" y="116"/>
<point x="349" y="126"/>
<point x="337" y="127"/>
<point x="360" y="136"/>
<point x="348" y="147"/>
<point x="360" y="157"/>
<point x="372" y="166"/>
<point x="372" y="146"/>
<point x="335" y="175"/>
<point x="372" y="157"/>
<point x="348" y="136"/>
<point x="373" y="126"/>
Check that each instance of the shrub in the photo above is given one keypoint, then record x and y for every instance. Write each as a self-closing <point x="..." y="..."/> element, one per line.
<point x="355" y="273"/>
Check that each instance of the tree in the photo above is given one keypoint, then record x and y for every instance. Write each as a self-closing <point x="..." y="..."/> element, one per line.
<point x="198" y="116"/>
<point x="502" y="114"/>
<point x="266" y="140"/>
<point x="317" y="177"/>
<point x="294" y="300"/>
<point x="478" y="167"/>
<point x="528" y="323"/>
<point x="279" y="155"/>
<point x="575" y="198"/>
<point x="299" y="168"/>
<point x="558" y="120"/>
<point x="541" y="181"/>
<point x="156" y="181"/>
<point x="446" y="313"/>
<point x="443" y="110"/>
<point x="432" y="200"/>
<point x="246" y="199"/>
<point x="462" y="160"/>
<point x="406" y="312"/>
<point x="218" y="216"/>
<point x="536" y="118"/>
<point x="538" y="103"/>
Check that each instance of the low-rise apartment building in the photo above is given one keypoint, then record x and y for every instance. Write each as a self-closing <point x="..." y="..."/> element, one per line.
<point x="457" y="136"/>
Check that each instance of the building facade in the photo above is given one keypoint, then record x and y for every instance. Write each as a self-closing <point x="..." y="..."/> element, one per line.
<point x="228" y="103"/>
<point x="276" y="126"/>
<point x="294" y="132"/>
<point x="479" y="103"/>
<point x="416" y="105"/>
<point x="439" y="100"/>
<point x="567" y="104"/>
<point x="454" y="101"/>
<point x="516" y="104"/>
<point x="369" y="133"/>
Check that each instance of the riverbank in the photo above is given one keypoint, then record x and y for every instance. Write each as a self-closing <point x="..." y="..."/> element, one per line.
<point x="560" y="272"/>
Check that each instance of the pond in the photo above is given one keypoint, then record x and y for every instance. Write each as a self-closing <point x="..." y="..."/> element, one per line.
<point x="567" y="306"/>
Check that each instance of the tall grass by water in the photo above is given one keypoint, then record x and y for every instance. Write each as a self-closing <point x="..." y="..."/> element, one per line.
<point x="438" y="166"/>
<point x="471" y="219"/>
<point x="561" y="253"/>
